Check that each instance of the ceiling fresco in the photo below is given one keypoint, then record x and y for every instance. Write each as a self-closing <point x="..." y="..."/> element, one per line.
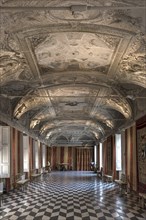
<point x="72" y="72"/>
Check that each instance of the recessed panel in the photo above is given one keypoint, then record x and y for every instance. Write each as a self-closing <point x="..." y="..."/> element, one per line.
<point x="69" y="100"/>
<point x="62" y="51"/>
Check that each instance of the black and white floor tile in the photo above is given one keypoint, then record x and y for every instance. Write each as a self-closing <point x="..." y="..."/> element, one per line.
<point x="70" y="195"/>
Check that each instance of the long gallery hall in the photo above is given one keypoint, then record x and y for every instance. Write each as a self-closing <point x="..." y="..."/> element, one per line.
<point x="72" y="109"/>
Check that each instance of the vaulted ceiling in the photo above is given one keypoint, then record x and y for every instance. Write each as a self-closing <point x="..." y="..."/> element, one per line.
<point x="72" y="72"/>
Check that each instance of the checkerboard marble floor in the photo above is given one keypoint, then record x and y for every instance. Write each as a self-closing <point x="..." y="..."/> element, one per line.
<point x="70" y="195"/>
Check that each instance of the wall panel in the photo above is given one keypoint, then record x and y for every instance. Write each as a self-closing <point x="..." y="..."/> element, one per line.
<point x="141" y="153"/>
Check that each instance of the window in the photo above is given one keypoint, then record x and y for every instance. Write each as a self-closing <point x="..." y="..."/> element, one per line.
<point x="25" y="153"/>
<point x="118" y="152"/>
<point x="95" y="155"/>
<point x="43" y="155"/>
<point x="35" y="154"/>
<point x="4" y="151"/>
<point x="100" y="162"/>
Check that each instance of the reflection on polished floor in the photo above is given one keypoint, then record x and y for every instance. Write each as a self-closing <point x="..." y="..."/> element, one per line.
<point x="71" y="195"/>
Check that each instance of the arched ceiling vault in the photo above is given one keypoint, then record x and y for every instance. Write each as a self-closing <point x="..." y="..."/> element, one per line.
<point x="72" y="72"/>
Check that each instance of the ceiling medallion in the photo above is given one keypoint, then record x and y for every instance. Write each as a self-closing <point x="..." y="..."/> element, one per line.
<point x="72" y="103"/>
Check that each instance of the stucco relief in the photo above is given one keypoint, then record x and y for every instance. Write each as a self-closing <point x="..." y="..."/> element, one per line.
<point x="13" y="63"/>
<point x="38" y="39"/>
<point x="134" y="63"/>
<point x="26" y="19"/>
<point x="76" y="11"/>
<point x="121" y="105"/>
<point x="21" y="21"/>
<point x="30" y="101"/>
<point x="133" y="68"/>
<point x="123" y="18"/>
<point x="104" y="117"/>
<point x="30" y="104"/>
<point x="42" y="115"/>
<point x="136" y="43"/>
<point x="10" y="67"/>
<point x="111" y="41"/>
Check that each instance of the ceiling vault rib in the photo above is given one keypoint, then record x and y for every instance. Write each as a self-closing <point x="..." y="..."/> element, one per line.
<point x="122" y="47"/>
<point x="73" y="7"/>
<point x="100" y="96"/>
<point x="29" y="56"/>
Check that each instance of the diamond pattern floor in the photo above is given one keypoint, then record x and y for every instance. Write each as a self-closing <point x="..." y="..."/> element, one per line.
<point x="70" y="195"/>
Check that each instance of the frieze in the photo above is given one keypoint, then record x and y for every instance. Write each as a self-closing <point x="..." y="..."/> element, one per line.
<point x="40" y="117"/>
<point x="121" y="105"/>
<point x="29" y="19"/>
<point x="104" y="117"/>
<point x="34" y="17"/>
<point x="27" y="104"/>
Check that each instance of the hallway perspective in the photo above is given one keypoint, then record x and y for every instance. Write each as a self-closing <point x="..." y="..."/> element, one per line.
<point x="71" y="195"/>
